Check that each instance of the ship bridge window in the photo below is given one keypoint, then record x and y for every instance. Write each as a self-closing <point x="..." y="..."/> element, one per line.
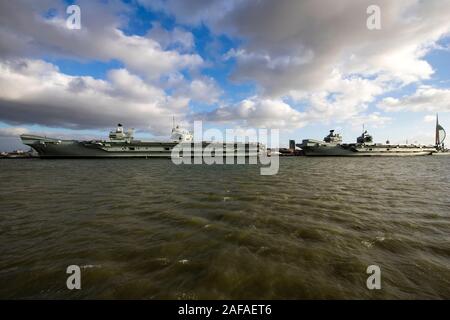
<point x="131" y="148"/>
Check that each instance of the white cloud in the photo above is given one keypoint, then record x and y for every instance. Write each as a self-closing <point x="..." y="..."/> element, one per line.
<point x="290" y="44"/>
<point x="256" y="112"/>
<point x="339" y="98"/>
<point x="345" y="100"/>
<point x="314" y="53"/>
<point x="24" y="31"/>
<point x="429" y="118"/>
<point x="12" y="132"/>
<point x="320" y="52"/>
<point x="177" y="38"/>
<point x="426" y="98"/>
<point x="205" y="90"/>
<point x="199" y="88"/>
<point x="275" y="113"/>
<point x="35" y="92"/>
<point x="373" y="120"/>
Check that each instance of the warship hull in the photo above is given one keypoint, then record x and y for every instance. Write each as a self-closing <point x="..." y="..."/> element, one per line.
<point x="321" y="149"/>
<point x="363" y="154"/>
<point x="50" y="148"/>
<point x="442" y="153"/>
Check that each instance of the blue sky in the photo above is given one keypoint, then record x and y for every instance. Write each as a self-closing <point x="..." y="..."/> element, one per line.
<point x="293" y="66"/>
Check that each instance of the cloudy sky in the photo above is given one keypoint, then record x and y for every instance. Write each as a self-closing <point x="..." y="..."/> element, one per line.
<point x="301" y="66"/>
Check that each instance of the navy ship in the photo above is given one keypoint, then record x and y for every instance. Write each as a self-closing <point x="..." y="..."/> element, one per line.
<point x="121" y="144"/>
<point x="332" y="146"/>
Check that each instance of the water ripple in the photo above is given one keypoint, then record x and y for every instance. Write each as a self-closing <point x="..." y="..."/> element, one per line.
<point x="148" y="229"/>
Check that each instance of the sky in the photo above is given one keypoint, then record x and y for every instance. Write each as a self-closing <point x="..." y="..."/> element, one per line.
<point x="303" y="67"/>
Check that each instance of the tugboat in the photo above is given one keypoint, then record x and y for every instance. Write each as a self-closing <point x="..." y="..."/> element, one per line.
<point x="121" y="144"/>
<point x="332" y="146"/>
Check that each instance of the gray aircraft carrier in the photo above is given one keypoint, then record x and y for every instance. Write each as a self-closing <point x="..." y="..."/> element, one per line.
<point x="364" y="147"/>
<point x="121" y="144"/>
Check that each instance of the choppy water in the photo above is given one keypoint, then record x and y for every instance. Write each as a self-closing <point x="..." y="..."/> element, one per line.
<point x="148" y="229"/>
